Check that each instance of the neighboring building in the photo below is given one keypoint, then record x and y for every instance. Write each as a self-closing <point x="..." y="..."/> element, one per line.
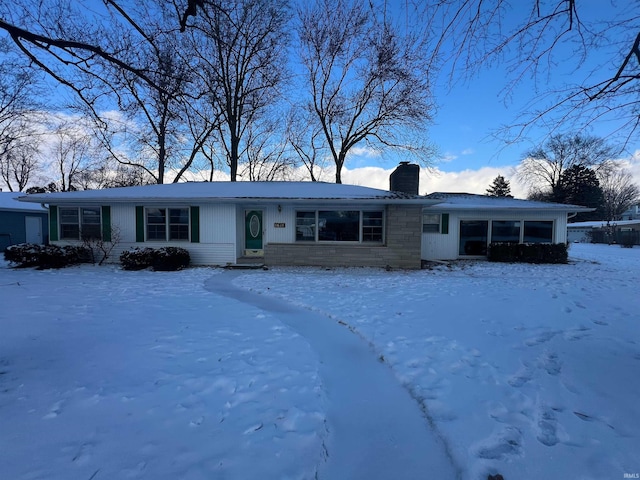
<point x="20" y="222"/>
<point x="632" y="214"/>
<point x="602" y="232"/>
<point x="302" y="223"/>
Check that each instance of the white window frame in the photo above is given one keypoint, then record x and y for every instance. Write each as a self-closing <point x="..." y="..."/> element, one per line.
<point x="80" y="223"/>
<point x="167" y="224"/>
<point x="433" y="226"/>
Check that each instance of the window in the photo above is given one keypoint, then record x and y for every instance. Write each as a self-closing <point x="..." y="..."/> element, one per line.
<point x="506" y="231"/>
<point x="306" y="226"/>
<point x="77" y="223"/>
<point x="431" y="223"/>
<point x="372" y="226"/>
<point x="176" y="228"/>
<point x="538" y="232"/>
<point x="339" y="226"/>
<point x="473" y="237"/>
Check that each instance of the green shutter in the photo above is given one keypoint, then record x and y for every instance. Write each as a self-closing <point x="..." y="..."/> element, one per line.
<point x="53" y="223"/>
<point x="195" y="224"/>
<point x="139" y="224"/>
<point x="106" y="223"/>
<point x="445" y="223"/>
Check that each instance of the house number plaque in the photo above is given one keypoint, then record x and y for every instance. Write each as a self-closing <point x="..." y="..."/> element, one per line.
<point x="279" y="225"/>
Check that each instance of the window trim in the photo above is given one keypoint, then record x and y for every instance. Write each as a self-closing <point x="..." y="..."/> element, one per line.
<point x="167" y="224"/>
<point x="521" y="239"/>
<point x="80" y="223"/>
<point x="436" y="226"/>
<point x="361" y="226"/>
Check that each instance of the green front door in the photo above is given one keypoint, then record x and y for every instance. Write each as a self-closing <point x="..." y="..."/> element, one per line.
<point x="253" y="230"/>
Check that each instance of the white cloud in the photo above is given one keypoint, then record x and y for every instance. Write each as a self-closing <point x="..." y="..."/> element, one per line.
<point x="468" y="151"/>
<point x="434" y="180"/>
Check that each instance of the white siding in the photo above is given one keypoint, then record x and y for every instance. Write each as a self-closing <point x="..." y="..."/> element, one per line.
<point x="218" y="224"/>
<point x="123" y="219"/>
<point x="286" y="216"/>
<point x="438" y="246"/>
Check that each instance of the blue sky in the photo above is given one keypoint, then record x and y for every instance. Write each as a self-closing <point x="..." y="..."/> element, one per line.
<point x="472" y="111"/>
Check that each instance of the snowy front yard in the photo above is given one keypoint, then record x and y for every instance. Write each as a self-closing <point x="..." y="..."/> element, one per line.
<point x="529" y="371"/>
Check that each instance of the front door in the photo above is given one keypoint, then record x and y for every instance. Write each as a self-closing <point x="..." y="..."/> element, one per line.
<point x="33" y="229"/>
<point x="253" y="233"/>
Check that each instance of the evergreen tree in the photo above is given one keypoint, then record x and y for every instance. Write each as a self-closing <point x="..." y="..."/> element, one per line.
<point x="579" y="185"/>
<point x="499" y="188"/>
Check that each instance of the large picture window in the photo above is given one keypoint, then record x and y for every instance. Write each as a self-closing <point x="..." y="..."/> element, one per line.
<point x="505" y="231"/>
<point x="167" y="224"/>
<point x="538" y="232"/>
<point x="77" y="223"/>
<point x="339" y="226"/>
<point x="473" y="237"/>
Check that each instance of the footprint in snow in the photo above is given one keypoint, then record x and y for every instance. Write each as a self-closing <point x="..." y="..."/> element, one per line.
<point x="542" y="338"/>
<point x="523" y="376"/>
<point x="547" y="427"/>
<point x="551" y="363"/>
<point x="502" y="445"/>
<point x="197" y="422"/>
<point x="56" y="408"/>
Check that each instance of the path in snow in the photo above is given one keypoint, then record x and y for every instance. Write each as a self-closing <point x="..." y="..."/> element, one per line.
<point x="376" y="430"/>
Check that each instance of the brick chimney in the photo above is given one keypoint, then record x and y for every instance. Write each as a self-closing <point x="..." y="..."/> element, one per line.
<point x="405" y="178"/>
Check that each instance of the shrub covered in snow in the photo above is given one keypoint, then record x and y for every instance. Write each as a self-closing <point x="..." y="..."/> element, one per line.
<point x="168" y="259"/>
<point x="45" y="256"/>
<point x="162" y="259"/>
<point x="137" y="258"/>
<point x="528" y="252"/>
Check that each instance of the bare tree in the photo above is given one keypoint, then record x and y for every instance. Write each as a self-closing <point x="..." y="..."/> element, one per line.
<point x="305" y="138"/>
<point x="267" y="156"/>
<point x="542" y="167"/>
<point x="241" y="47"/>
<point x="128" y="58"/>
<point x="367" y="79"/>
<point x="72" y="152"/>
<point x="18" y="139"/>
<point x="619" y="191"/>
<point x="19" y="157"/>
<point x="597" y="51"/>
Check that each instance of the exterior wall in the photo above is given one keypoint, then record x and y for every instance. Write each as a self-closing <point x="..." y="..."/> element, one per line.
<point x="217" y="242"/>
<point x="13" y="229"/>
<point x="439" y="246"/>
<point x="401" y="250"/>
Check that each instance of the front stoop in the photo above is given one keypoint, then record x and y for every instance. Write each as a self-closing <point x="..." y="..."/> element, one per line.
<point x="247" y="263"/>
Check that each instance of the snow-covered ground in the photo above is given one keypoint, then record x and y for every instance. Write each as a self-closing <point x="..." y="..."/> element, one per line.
<point x="530" y="371"/>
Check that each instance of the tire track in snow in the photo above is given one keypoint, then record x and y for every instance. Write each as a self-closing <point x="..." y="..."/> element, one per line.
<point x="377" y="429"/>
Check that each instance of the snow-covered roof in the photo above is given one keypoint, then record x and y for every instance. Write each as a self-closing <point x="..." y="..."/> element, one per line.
<point x="467" y="201"/>
<point x="231" y="192"/>
<point x="602" y="224"/>
<point x="8" y="202"/>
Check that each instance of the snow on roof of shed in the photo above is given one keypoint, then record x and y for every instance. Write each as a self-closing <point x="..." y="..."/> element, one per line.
<point x="8" y="202"/>
<point x="467" y="201"/>
<point x="230" y="192"/>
